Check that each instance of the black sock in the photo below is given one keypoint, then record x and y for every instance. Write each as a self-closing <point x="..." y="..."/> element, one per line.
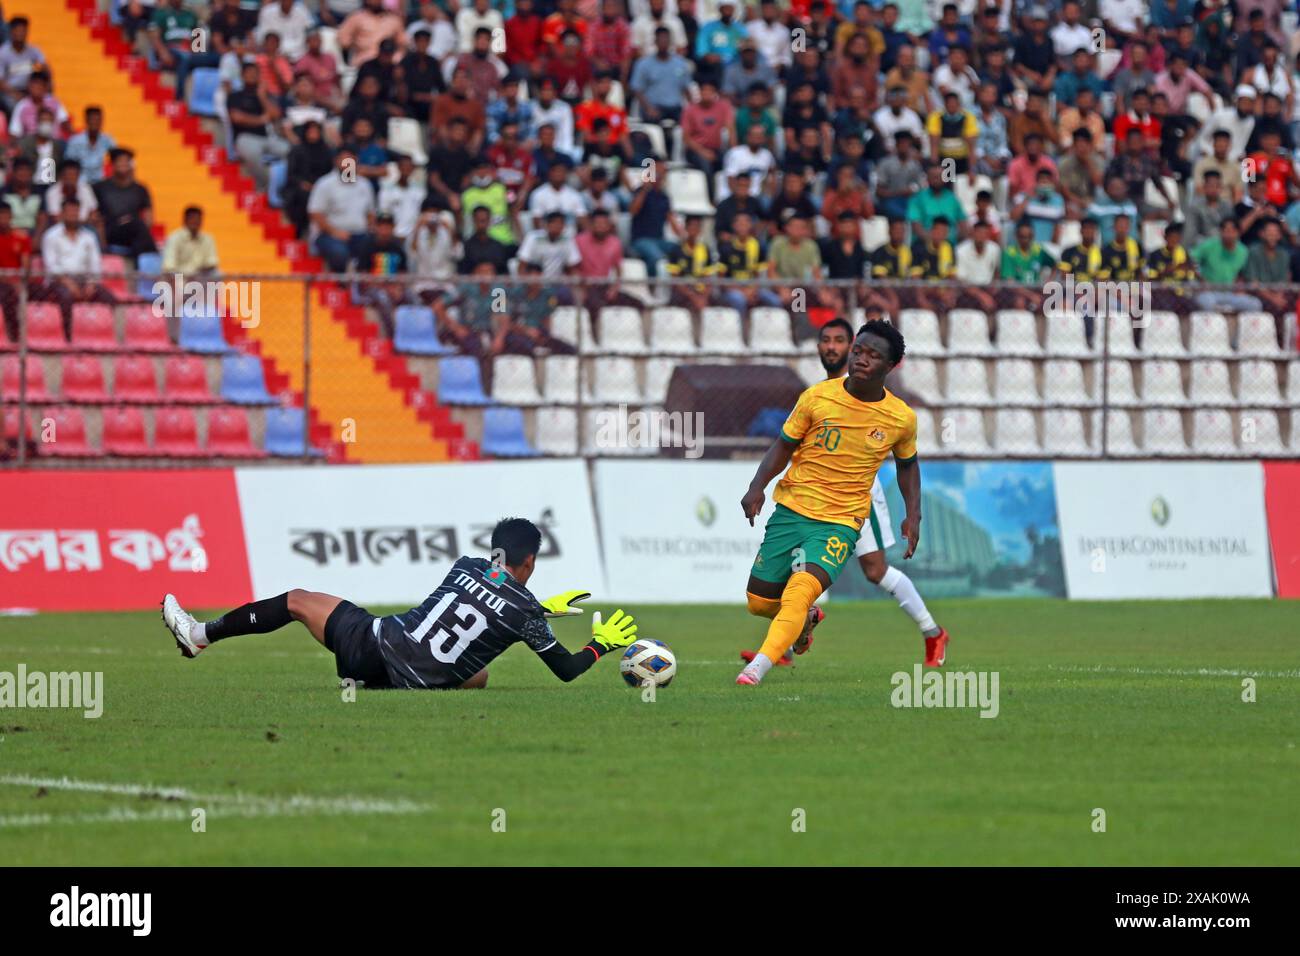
<point x="258" y="617"/>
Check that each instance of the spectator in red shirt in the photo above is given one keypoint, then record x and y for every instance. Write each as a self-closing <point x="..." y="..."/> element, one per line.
<point x="15" y="253"/>
<point x="513" y="162"/>
<point x="703" y="123"/>
<point x="598" y="107"/>
<point x="1275" y="167"/>
<point x="570" y="69"/>
<point x="1139" y="117"/>
<point x="524" y="39"/>
<point x="602" y="258"/>
<point x="609" y="40"/>
<point x="565" y="19"/>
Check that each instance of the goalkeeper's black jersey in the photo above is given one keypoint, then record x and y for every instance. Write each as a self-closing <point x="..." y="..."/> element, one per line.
<point x="476" y="613"/>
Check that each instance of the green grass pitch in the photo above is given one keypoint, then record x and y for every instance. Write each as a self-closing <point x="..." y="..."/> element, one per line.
<point x="1131" y="707"/>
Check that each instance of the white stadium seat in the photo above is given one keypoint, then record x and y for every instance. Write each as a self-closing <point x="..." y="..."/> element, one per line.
<point x="769" y="330"/>
<point x="965" y="429"/>
<point x="1162" y="383"/>
<point x="1120" y="342"/>
<point x="1257" y="335"/>
<point x="514" y="380"/>
<point x="720" y="331"/>
<point x="874" y="232"/>
<point x="810" y="370"/>
<point x="573" y="325"/>
<point x="614" y="380"/>
<point x="1017" y="332"/>
<point x="1066" y="335"/>
<point x="1015" y="383"/>
<point x="1209" y="383"/>
<point x="1163" y="336"/>
<point x="1257" y="383"/>
<point x="560" y="379"/>
<point x="404" y="137"/>
<point x="1212" y="432"/>
<point x="1119" y="434"/>
<point x="920" y="376"/>
<point x="1293" y="383"/>
<point x="926" y="442"/>
<point x="968" y="381"/>
<point x="1162" y="432"/>
<point x="1063" y="432"/>
<point x="557" y="431"/>
<point x="920" y="328"/>
<point x="671" y="330"/>
<point x="1119" y="384"/>
<point x="635" y="278"/>
<point x="1016" y="432"/>
<point x="658" y="373"/>
<point x="688" y="189"/>
<point x="968" y="332"/>
<point x="1209" y="335"/>
<point x="1063" y="383"/>
<point x="1259" y="434"/>
<point x="620" y="330"/>
<point x="603" y="436"/>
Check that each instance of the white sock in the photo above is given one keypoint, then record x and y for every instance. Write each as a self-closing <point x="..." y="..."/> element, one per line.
<point x="759" y="666"/>
<point x="909" y="599"/>
<point x="199" y="633"/>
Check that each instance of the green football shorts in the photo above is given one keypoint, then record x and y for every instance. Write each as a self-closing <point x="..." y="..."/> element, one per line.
<point x="791" y="540"/>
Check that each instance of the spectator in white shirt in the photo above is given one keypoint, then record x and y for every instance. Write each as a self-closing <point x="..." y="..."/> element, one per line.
<point x="403" y="198"/>
<point x="1124" y="20"/>
<point x="657" y="15"/>
<point x="291" y="20"/>
<point x="1071" y="33"/>
<point x="556" y="195"/>
<point x="978" y="258"/>
<point x="550" y="249"/>
<point x="473" y="17"/>
<point x="71" y="185"/>
<point x="442" y="35"/>
<point x="70" y="253"/>
<point x="751" y="158"/>
<point x="771" y="36"/>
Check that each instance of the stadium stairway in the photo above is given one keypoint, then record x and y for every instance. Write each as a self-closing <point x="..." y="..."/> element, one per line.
<point x="366" y="403"/>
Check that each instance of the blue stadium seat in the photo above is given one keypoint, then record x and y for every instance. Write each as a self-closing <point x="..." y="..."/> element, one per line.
<point x="460" y="382"/>
<point x="243" y="381"/>
<point x="503" y="434"/>
<point x="204" y="83"/>
<point x="284" y="432"/>
<point x="149" y="265"/>
<point x="278" y="175"/>
<point x="415" y="332"/>
<point x="202" y="333"/>
<point x="767" y="423"/>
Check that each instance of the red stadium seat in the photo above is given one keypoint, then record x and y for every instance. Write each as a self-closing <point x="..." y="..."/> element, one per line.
<point x="92" y="327"/>
<point x="67" y="428"/>
<point x="45" y="328"/>
<point x="5" y="344"/>
<point x="114" y="276"/>
<point x="83" y="379"/>
<point x="124" y="433"/>
<point x="185" y="379"/>
<point x="11" y="425"/>
<point x="228" y="434"/>
<point x="145" y="331"/>
<point x="175" y="433"/>
<point x="35" y="372"/>
<point x="134" y="379"/>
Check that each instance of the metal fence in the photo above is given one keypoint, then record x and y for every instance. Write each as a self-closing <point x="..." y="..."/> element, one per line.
<point x="136" y="369"/>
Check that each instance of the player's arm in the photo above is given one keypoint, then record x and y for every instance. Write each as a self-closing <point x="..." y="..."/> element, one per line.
<point x="909" y="485"/>
<point x="618" y="632"/>
<point x="773" y="463"/>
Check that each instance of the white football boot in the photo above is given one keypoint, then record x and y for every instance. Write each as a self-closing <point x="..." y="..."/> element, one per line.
<point x="182" y="626"/>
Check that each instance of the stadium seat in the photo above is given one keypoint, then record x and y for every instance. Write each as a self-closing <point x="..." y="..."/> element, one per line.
<point x="503" y="434"/>
<point x="1070" y="234"/>
<point x="770" y="331"/>
<point x="1017" y="332"/>
<point x="514" y="380"/>
<point x="405" y="137"/>
<point x="185" y="379"/>
<point x="811" y="371"/>
<point x="1257" y="335"/>
<point x="560" y="379"/>
<point x="671" y="331"/>
<point x="620" y="330"/>
<point x="176" y="432"/>
<point x="874" y="232"/>
<point x="1162" y="432"/>
<point x="1066" y="335"/>
<point x="1063" y="383"/>
<point x="1119" y="383"/>
<point x="243" y="380"/>
<point x="415" y="332"/>
<point x="148" y="265"/>
<point x="65" y="429"/>
<point x="1209" y="335"/>
<point x="45" y="328"/>
<point x="112" y="278"/>
<point x="968" y="382"/>
<point x="1014" y="382"/>
<point x="92" y="327"/>
<point x="720" y="331"/>
<point x="1063" y="432"/>
<point x="203" y="333"/>
<point x="967" y="191"/>
<point x="1293" y="383"/>
<point x="1162" y="336"/>
<point x="11" y="426"/>
<point x="601" y="437"/>
<point x="33" y="372"/>
<point x="968" y="333"/>
<point x="920" y="328"/>
<point x="204" y="83"/>
<point x="1120" y="342"/>
<point x="1015" y="432"/>
<point x="1209" y="383"/>
<point x="460" y="381"/>
<point x="83" y="379"/>
<point x="635" y="283"/>
<point x="134" y="379"/>
<point x="1212" y="432"/>
<point x="926" y="442"/>
<point x="284" y="432"/>
<point x="145" y="331"/>
<point x="557" y="431"/>
<point x="658" y="374"/>
<point x="1260" y="435"/>
<point x="963" y="429"/>
<point x="654" y="133"/>
<point x="1257" y="383"/>
<point x="1162" y="383"/>
<point x="124" y="433"/>
<point x="229" y="435"/>
<point x="920" y="376"/>
<point x="614" y="380"/>
<point x="6" y="344"/>
<point x="688" y="189"/>
<point x="1118" y="437"/>
<point x="573" y="325"/>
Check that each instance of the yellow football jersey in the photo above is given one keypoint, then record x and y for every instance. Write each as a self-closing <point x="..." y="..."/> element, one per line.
<point x="841" y="444"/>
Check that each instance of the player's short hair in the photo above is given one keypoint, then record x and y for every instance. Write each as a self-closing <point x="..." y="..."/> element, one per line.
<point x="838" y="324"/>
<point x="890" y="334"/>
<point x="517" y="539"/>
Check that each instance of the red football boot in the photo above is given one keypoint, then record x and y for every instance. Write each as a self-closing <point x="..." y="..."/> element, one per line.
<point x="936" y="649"/>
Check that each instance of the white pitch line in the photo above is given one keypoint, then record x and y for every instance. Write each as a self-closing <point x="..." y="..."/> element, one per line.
<point x="1173" y="672"/>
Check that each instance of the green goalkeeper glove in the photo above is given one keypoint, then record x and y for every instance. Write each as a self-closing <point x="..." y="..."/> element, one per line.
<point x="620" y="631"/>
<point x="565" y="603"/>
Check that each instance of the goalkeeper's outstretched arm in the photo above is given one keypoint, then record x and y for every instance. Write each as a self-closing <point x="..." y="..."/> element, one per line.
<point x="614" y="634"/>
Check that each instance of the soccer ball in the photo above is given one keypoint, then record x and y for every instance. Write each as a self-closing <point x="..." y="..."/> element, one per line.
<point x="648" y="660"/>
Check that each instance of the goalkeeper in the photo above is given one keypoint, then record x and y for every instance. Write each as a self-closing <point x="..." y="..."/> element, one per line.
<point x="480" y="609"/>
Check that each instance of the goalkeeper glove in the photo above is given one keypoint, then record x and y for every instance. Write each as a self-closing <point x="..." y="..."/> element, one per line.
<point x="620" y="631"/>
<point x="565" y="604"/>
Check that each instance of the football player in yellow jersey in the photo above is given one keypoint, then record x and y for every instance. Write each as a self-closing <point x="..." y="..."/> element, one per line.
<point x="833" y="442"/>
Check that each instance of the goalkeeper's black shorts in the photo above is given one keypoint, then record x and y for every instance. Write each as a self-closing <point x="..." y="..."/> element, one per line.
<point x="352" y="634"/>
